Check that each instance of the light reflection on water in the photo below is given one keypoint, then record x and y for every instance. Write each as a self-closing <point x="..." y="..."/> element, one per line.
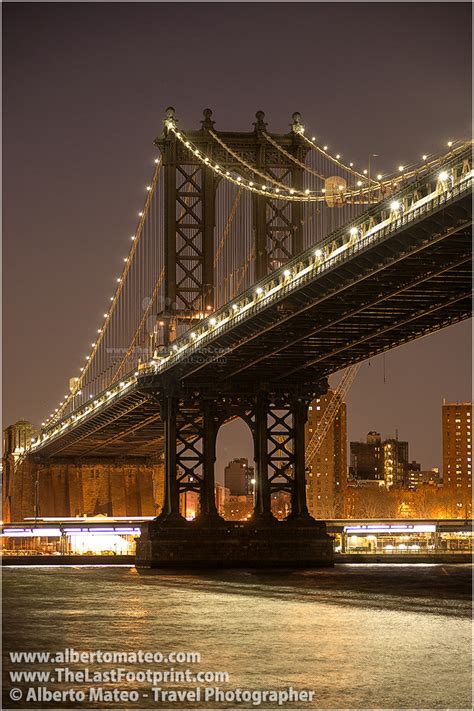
<point x="360" y="636"/>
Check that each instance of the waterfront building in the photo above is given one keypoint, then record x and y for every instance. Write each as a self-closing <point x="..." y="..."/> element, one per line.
<point x="457" y="454"/>
<point x="326" y="476"/>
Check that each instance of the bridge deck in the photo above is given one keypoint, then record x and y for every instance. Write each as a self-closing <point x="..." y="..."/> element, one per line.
<point x="410" y="280"/>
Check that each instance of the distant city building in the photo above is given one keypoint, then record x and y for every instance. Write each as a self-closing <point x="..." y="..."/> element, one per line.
<point x="238" y="477"/>
<point x="395" y="462"/>
<point x="281" y="504"/>
<point x="327" y="474"/>
<point x="457" y="454"/>
<point x="418" y="477"/>
<point x="367" y="458"/>
<point x="190" y="505"/>
<point x="380" y="461"/>
<point x="222" y="497"/>
<point x="238" y="508"/>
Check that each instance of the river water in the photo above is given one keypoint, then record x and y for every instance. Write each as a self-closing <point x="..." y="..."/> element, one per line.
<point x="358" y="636"/>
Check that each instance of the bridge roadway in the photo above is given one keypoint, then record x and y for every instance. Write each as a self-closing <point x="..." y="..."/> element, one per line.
<point x="400" y="271"/>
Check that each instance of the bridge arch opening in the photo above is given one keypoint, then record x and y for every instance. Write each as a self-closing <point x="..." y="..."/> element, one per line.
<point x="235" y="471"/>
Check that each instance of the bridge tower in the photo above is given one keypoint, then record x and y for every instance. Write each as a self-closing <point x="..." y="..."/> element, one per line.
<point x="192" y="416"/>
<point x="190" y="208"/>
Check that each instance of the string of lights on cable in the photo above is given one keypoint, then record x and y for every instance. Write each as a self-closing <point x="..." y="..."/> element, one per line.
<point x="108" y="312"/>
<point x="285" y="192"/>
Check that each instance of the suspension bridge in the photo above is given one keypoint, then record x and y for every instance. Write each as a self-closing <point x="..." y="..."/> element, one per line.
<point x="261" y="264"/>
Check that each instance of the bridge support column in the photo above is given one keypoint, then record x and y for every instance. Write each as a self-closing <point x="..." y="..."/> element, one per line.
<point x="262" y="511"/>
<point x="207" y="496"/>
<point x="170" y="511"/>
<point x="299" y="506"/>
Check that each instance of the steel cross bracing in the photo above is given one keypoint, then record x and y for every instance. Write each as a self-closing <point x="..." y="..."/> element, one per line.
<point x="410" y="280"/>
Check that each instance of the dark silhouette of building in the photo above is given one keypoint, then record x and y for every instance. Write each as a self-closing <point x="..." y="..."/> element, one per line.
<point x="238" y="477"/>
<point x="380" y="461"/>
<point x="367" y="458"/>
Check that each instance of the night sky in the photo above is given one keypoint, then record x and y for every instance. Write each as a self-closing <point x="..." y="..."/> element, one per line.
<point x="85" y="91"/>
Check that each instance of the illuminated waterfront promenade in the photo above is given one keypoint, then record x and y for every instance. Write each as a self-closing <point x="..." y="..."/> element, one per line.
<point x="393" y="540"/>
